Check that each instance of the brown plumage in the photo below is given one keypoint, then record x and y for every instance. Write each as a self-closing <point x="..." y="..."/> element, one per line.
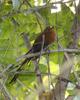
<point x="48" y="35"/>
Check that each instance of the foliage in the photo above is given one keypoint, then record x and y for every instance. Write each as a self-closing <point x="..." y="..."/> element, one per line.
<point x="16" y="18"/>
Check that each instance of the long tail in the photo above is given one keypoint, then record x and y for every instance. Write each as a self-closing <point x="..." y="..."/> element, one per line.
<point x="26" y="61"/>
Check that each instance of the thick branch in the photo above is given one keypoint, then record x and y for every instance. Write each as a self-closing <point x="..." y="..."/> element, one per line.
<point x="49" y="52"/>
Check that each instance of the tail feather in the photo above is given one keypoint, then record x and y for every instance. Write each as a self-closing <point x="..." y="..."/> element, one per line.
<point x="26" y="61"/>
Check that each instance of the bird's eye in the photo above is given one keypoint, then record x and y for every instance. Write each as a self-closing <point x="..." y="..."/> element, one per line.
<point x="48" y="28"/>
<point x="52" y="27"/>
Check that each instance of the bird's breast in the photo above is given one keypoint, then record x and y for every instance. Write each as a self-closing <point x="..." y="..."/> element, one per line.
<point x="50" y="37"/>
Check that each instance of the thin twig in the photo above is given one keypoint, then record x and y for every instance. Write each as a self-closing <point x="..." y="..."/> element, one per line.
<point x="23" y="72"/>
<point x="49" y="76"/>
<point x="43" y="39"/>
<point x="5" y="92"/>
<point x="37" y="14"/>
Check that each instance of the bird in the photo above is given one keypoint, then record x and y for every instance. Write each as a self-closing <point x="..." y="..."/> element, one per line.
<point x="43" y="40"/>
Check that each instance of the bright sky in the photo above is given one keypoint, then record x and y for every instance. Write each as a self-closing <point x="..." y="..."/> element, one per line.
<point x="57" y="5"/>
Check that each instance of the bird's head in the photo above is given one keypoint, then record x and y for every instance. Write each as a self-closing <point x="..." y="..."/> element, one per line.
<point x="49" y="28"/>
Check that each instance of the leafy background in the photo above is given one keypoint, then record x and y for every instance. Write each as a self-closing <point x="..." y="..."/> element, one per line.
<point x="15" y="19"/>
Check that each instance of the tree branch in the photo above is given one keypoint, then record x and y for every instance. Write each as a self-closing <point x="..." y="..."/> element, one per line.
<point x="49" y="52"/>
